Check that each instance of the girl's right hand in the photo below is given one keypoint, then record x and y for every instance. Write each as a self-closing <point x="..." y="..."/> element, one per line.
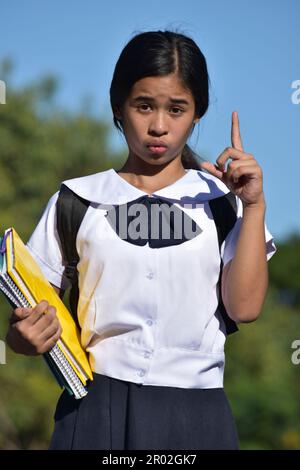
<point x="33" y="331"/>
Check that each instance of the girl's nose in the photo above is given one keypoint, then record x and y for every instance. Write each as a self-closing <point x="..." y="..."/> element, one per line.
<point x="158" y="124"/>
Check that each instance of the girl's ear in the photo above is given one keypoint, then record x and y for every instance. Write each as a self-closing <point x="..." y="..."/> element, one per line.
<point x="117" y="113"/>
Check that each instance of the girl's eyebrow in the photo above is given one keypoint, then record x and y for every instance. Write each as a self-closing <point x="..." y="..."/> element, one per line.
<point x="149" y="98"/>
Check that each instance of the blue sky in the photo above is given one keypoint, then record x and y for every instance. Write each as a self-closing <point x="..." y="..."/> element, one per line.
<point x="252" y="52"/>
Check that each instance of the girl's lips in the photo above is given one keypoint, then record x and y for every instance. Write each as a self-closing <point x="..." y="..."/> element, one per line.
<point x="157" y="148"/>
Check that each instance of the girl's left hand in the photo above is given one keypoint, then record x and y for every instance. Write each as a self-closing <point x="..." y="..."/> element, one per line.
<point x="243" y="175"/>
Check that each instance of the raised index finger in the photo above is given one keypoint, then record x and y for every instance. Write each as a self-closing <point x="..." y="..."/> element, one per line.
<point x="236" y="140"/>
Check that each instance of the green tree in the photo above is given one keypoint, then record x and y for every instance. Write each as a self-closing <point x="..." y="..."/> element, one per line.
<point x="261" y="380"/>
<point x="285" y="270"/>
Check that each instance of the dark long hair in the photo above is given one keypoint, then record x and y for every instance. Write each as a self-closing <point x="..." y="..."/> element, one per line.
<point x="157" y="53"/>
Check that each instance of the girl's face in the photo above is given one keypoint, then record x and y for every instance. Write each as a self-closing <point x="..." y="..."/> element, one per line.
<point x="157" y="118"/>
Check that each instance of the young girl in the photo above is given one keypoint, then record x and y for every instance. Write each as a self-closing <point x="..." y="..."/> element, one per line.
<point x="148" y="306"/>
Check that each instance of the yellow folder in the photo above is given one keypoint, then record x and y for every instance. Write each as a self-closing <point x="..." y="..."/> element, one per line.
<point x="29" y="278"/>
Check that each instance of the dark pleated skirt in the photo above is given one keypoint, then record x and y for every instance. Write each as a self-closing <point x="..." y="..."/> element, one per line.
<point x="118" y="415"/>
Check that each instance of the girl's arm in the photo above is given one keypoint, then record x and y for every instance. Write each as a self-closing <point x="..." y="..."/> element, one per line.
<point x="245" y="277"/>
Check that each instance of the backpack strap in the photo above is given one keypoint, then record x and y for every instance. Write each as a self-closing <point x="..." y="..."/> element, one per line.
<point x="71" y="210"/>
<point x="224" y="211"/>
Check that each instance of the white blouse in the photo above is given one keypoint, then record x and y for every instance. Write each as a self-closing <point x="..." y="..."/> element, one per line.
<point x="147" y="315"/>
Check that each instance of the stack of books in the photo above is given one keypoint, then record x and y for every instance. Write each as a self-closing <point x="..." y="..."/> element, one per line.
<point x="24" y="285"/>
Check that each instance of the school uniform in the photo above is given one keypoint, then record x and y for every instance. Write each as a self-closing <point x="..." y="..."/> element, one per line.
<point x="149" y="317"/>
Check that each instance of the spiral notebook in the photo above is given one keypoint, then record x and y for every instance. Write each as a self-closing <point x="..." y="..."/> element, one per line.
<point x="24" y="285"/>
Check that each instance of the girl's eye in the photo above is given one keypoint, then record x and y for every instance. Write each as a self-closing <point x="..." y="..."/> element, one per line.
<point x="144" y="107"/>
<point x="177" y="110"/>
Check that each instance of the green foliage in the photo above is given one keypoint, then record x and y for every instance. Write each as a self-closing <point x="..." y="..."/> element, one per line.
<point x="27" y="401"/>
<point x="262" y="382"/>
<point x="285" y="270"/>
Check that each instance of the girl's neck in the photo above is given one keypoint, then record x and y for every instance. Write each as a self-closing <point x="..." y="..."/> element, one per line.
<point x="151" y="178"/>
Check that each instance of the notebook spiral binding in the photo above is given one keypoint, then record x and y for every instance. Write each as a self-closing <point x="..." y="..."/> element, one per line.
<point x="73" y="381"/>
<point x="19" y="300"/>
<point x="14" y="292"/>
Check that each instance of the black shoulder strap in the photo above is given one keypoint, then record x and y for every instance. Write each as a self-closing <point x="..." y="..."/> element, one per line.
<point x="71" y="209"/>
<point x="224" y="211"/>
